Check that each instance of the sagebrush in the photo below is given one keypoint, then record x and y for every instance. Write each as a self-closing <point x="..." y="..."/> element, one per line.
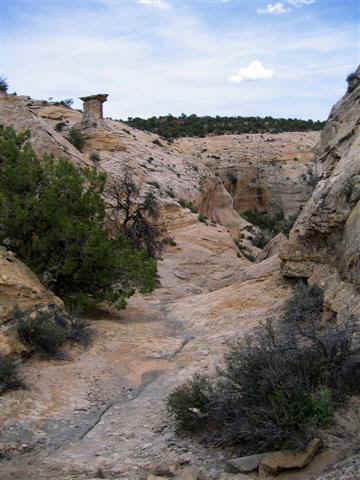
<point x="275" y="389"/>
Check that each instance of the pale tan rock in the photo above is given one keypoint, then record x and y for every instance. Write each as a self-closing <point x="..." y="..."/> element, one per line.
<point x="99" y="139"/>
<point x="246" y="464"/>
<point x="234" y="476"/>
<point x="271" y="248"/>
<point x="20" y="287"/>
<point x="326" y="232"/>
<point x="286" y="460"/>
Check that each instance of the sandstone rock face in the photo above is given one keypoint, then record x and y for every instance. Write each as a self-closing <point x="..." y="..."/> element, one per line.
<point x="325" y="234"/>
<point x="261" y="171"/>
<point x="19" y="287"/>
<point x="22" y="113"/>
<point x="277" y="461"/>
<point x="104" y="409"/>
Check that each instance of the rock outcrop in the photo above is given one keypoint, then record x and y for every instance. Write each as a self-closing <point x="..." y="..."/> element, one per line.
<point x="19" y="288"/>
<point x="324" y="244"/>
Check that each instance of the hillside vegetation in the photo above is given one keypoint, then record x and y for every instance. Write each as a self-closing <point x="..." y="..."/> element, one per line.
<point x="193" y="126"/>
<point x="53" y="216"/>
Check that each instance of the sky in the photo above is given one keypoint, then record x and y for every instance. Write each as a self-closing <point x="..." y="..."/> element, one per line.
<point x="287" y="58"/>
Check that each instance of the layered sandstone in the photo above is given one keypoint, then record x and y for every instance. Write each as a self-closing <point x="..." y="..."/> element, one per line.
<point x="324" y="244"/>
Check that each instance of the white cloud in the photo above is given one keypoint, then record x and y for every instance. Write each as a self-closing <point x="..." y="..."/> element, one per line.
<point x="272" y="9"/>
<point x="155" y="3"/>
<point x="297" y="3"/>
<point x="255" y="71"/>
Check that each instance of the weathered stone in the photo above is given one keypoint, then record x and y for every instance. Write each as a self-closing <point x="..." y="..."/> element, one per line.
<point x="20" y="287"/>
<point x="93" y="110"/>
<point x="244" y="464"/>
<point x="271" y="248"/>
<point x="190" y="473"/>
<point x="164" y="469"/>
<point x="286" y="460"/>
<point x="234" y="476"/>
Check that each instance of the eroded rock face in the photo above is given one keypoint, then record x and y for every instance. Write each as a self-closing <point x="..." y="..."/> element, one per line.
<point x="19" y="288"/>
<point x="261" y="171"/>
<point x="324" y="242"/>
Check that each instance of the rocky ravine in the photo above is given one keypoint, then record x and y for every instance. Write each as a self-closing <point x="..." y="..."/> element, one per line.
<point x="102" y="413"/>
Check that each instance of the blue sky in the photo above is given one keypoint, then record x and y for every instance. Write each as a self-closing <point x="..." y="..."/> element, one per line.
<point x="286" y="58"/>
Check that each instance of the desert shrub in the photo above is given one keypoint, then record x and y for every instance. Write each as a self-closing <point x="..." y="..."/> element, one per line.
<point x="189" y="403"/>
<point x="305" y="305"/>
<point x="95" y="157"/>
<point x="260" y="239"/>
<point x="53" y="216"/>
<point x="203" y="218"/>
<point x="59" y="126"/>
<point x="80" y="331"/>
<point x="351" y="81"/>
<point x="67" y="102"/>
<point x="3" y="84"/>
<point x="76" y="138"/>
<point x="276" y="387"/>
<point x="47" y="329"/>
<point x="270" y="225"/>
<point x="136" y="219"/>
<point x="41" y="332"/>
<point x="9" y="377"/>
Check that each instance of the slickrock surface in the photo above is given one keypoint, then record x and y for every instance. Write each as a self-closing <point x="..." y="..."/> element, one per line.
<point x="101" y="412"/>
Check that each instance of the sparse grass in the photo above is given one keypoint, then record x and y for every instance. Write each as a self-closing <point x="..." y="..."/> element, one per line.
<point x="9" y="377"/>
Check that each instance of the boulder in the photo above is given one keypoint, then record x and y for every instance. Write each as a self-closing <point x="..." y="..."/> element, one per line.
<point x="234" y="476"/>
<point x="20" y="287"/>
<point x="245" y="464"/>
<point x="286" y="460"/>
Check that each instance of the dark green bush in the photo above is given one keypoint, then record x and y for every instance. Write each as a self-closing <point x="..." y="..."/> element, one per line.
<point x="41" y="332"/>
<point x="3" y="84"/>
<point x="189" y="403"/>
<point x="270" y="225"/>
<point x="53" y="216"/>
<point x="305" y="305"/>
<point x="351" y="81"/>
<point x="80" y="331"/>
<point x="9" y="378"/>
<point x="275" y="389"/>
<point x="203" y="218"/>
<point x="59" y="126"/>
<point x="76" y="138"/>
<point x="95" y="157"/>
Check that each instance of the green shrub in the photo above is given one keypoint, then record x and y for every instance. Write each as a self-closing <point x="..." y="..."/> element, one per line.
<point x="41" y="332"/>
<point x="53" y="216"/>
<point x="9" y="378"/>
<point x="275" y="389"/>
<point x="351" y="81"/>
<point x="95" y="157"/>
<point x="59" y="126"/>
<point x="305" y="305"/>
<point x="3" y="84"/>
<point x="270" y="225"/>
<point x="76" y="138"/>
<point x="203" y="218"/>
<point x="189" y="403"/>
